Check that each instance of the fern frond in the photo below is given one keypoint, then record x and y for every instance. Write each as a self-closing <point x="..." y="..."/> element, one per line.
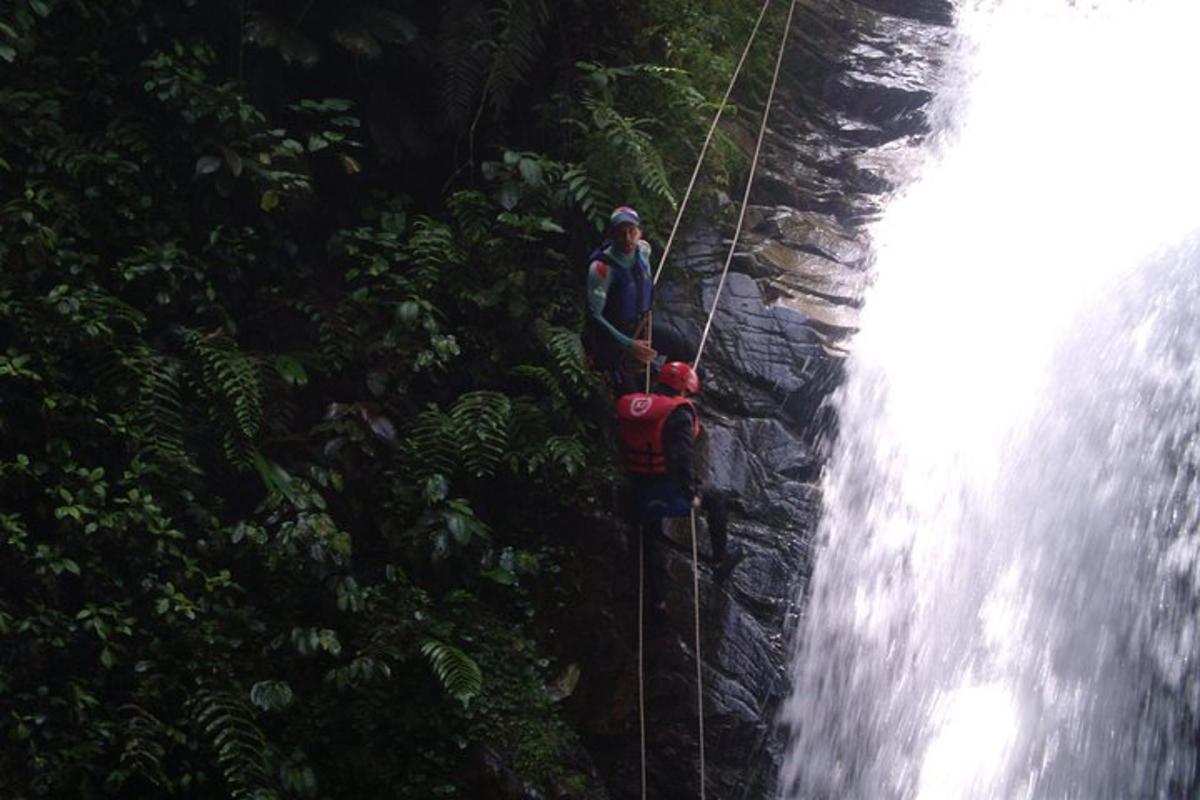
<point x="279" y="399"/>
<point x="566" y="349"/>
<point x="337" y="334"/>
<point x="143" y="750"/>
<point x="234" y="376"/>
<point x="544" y="379"/>
<point x="228" y="723"/>
<point x="230" y="380"/>
<point x="473" y="214"/>
<point x="97" y="313"/>
<point x="481" y="423"/>
<point x="586" y="196"/>
<point x="518" y="45"/>
<point x="458" y="673"/>
<point x="629" y="139"/>
<point x="431" y="248"/>
<point x="160" y="404"/>
<point x="152" y="386"/>
<point x="652" y="175"/>
<point x="567" y="453"/>
<point x="430" y="445"/>
<point x="465" y="46"/>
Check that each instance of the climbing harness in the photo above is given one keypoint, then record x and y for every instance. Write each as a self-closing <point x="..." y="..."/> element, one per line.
<point x="695" y="363"/>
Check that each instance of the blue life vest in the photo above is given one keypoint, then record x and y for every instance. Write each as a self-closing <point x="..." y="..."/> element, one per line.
<point x="630" y="297"/>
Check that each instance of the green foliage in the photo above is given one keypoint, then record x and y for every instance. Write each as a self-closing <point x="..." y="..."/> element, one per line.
<point x="458" y="673"/>
<point x="518" y="43"/>
<point x="287" y="399"/>
<point x="618" y="139"/>
<point x="239" y="744"/>
<point x="464" y="39"/>
<point x="145" y="745"/>
<point x="271" y="695"/>
<point x="481" y="428"/>
<point x="230" y="381"/>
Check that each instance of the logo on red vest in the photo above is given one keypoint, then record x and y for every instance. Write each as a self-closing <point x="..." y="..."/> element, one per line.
<point x="640" y="405"/>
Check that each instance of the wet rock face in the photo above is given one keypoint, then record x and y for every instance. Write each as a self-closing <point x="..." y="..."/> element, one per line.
<point x="848" y="119"/>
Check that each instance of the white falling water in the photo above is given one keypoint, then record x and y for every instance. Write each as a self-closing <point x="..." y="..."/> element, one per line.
<point x="1006" y="594"/>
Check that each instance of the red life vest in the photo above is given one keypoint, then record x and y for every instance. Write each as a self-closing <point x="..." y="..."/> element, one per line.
<point x="640" y="422"/>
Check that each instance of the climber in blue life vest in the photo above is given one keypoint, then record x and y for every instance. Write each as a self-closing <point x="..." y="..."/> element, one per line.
<point x="620" y="293"/>
<point x="657" y="434"/>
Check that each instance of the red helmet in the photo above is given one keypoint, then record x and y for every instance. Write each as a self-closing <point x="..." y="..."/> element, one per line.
<point x="680" y="377"/>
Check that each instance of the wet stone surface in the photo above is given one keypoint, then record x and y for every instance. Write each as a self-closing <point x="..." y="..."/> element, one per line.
<point x="848" y="120"/>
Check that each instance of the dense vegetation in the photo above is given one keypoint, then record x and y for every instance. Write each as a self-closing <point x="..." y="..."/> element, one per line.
<point x="292" y="405"/>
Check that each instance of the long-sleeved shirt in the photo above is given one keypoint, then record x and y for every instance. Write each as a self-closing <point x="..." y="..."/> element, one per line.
<point x="679" y="449"/>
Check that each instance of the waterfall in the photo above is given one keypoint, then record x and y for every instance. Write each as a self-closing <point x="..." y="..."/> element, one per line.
<point x="1007" y="583"/>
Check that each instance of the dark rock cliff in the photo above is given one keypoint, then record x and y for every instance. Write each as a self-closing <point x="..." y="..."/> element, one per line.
<point x="848" y="117"/>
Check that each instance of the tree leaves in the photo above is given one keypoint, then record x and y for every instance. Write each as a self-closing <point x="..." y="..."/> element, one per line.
<point x="387" y="25"/>
<point x="207" y="165"/>
<point x="200" y="260"/>
<point x="296" y="48"/>
<point x="291" y="370"/>
<point x="271" y="695"/>
<point x="358" y="39"/>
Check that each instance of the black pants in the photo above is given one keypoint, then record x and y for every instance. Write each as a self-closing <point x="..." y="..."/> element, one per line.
<point x="650" y="530"/>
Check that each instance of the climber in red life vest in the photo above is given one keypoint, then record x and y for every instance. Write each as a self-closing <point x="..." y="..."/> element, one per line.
<point x="620" y="292"/>
<point x="657" y="434"/>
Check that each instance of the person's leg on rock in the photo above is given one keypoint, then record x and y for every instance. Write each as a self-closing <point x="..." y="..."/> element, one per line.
<point x="724" y="557"/>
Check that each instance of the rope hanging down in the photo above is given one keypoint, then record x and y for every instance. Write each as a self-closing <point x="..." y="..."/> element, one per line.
<point x="699" y="663"/>
<point x="749" y="183"/>
<point x="649" y="335"/>
<point x="662" y="261"/>
<point x="641" y="643"/>
<point x="700" y="351"/>
<point x="687" y="195"/>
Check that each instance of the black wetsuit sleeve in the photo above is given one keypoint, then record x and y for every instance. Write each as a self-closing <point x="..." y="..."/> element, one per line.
<point x="679" y="446"/>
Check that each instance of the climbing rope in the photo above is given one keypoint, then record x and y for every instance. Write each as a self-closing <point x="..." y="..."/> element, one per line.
<point x="699" y="677"/>
<point x="749" y="183"/>
<point x="695" y="363"/>
<point x="687" y="195"/>
<point x="662" y="261"/>
<point x="641" y="646"/>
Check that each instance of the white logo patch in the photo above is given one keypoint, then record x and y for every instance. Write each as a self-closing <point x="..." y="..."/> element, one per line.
<point x="640" y="405"/>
